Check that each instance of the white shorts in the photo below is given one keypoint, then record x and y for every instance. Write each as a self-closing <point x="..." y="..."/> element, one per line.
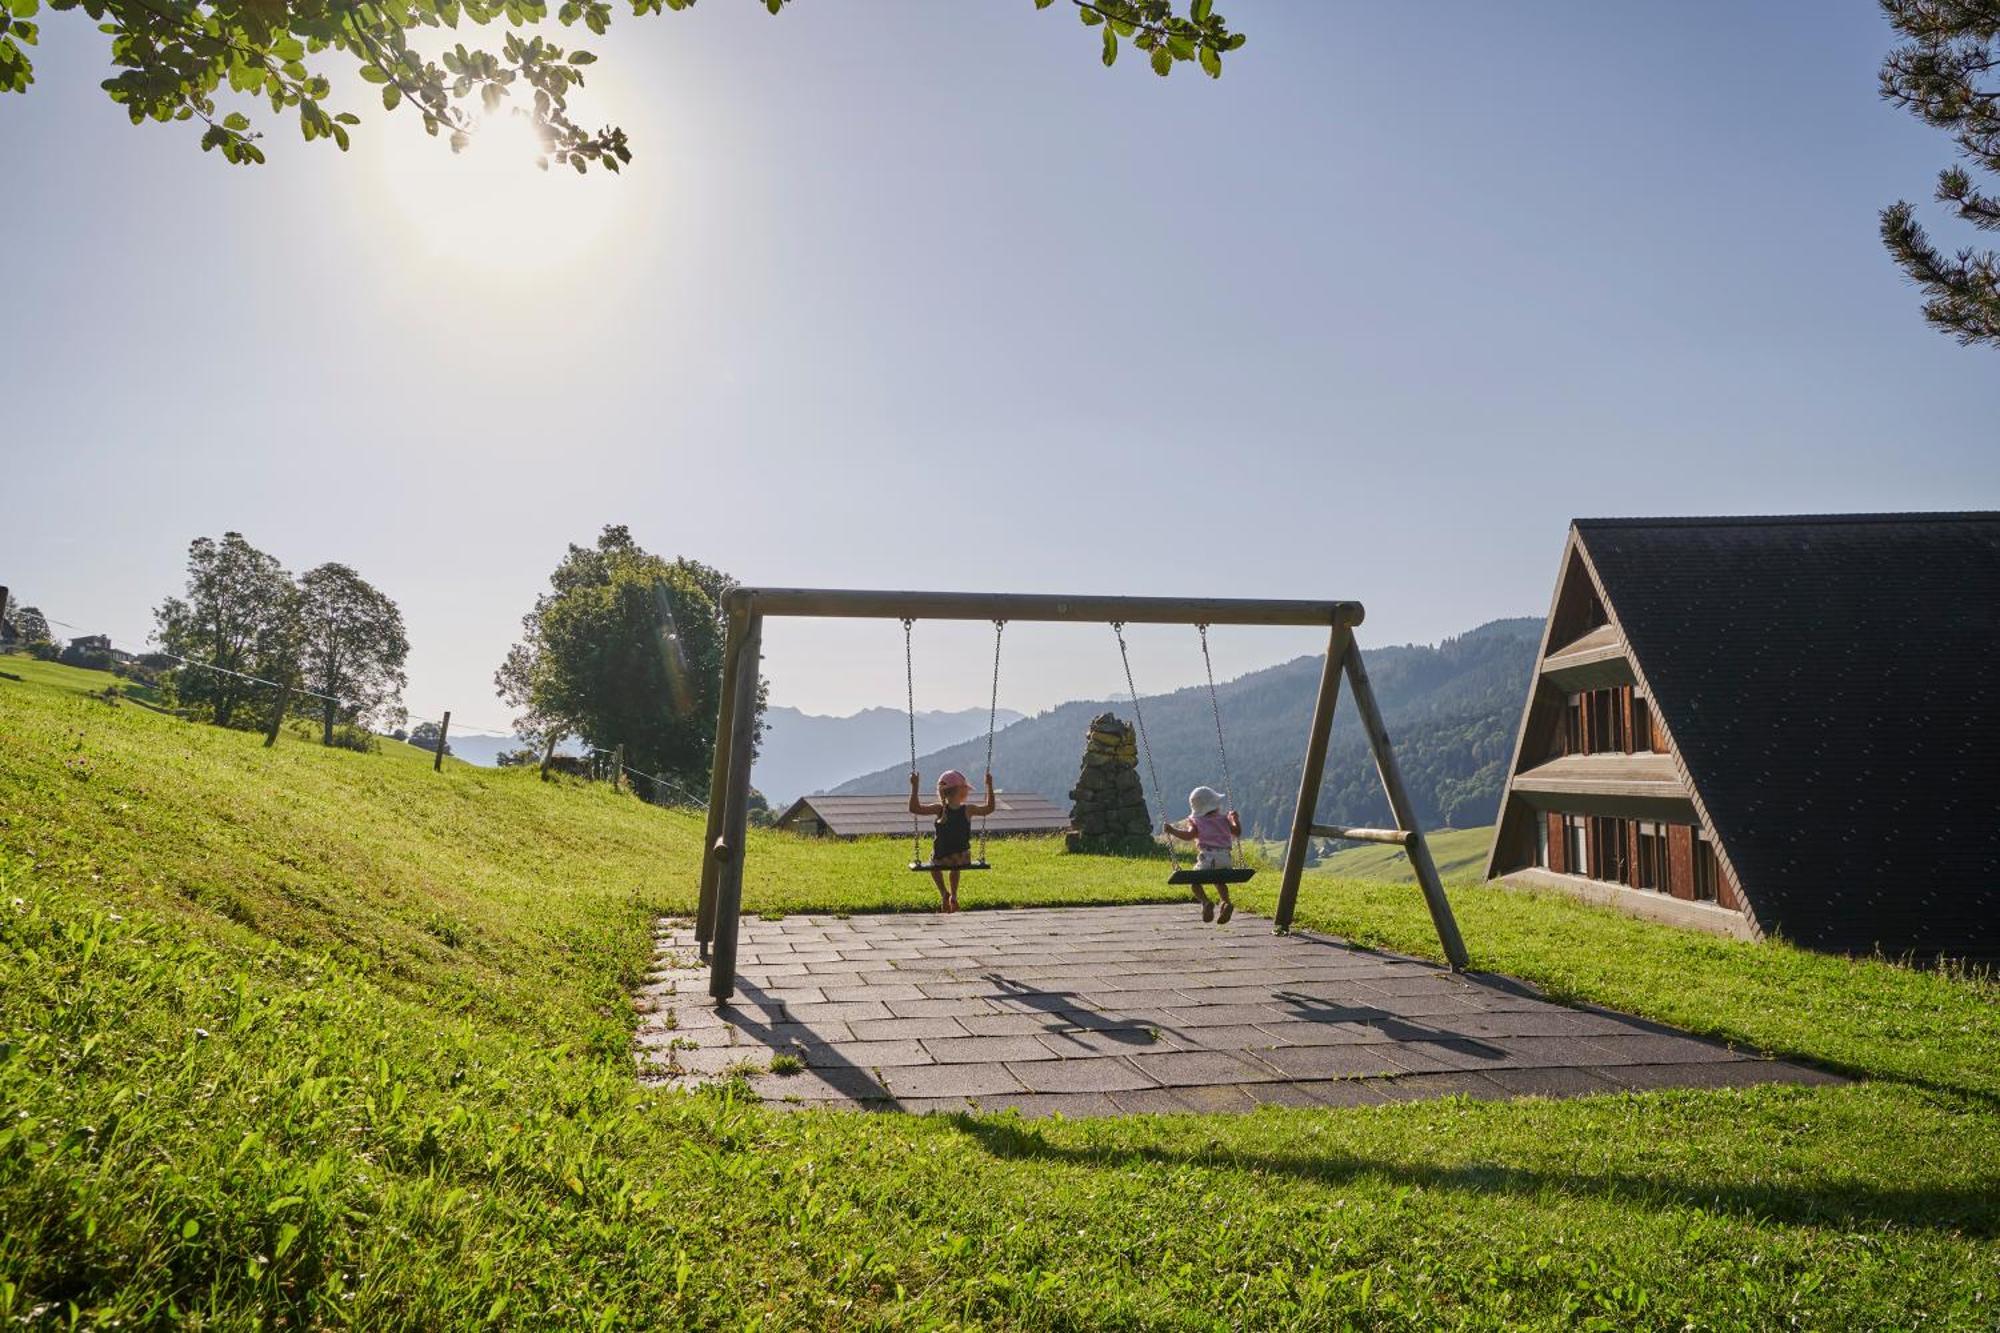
<point x="1212" y="858"/>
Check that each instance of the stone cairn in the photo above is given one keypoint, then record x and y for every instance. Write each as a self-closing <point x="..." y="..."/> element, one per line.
<point x="1109" y="801"/>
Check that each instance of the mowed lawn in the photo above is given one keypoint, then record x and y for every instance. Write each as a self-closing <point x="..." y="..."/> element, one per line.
<point x="295" y="1037"/>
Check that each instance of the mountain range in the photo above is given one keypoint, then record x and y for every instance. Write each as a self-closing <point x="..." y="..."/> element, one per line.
<point x="805" y="752"/>
<point x="1451" y="710"/>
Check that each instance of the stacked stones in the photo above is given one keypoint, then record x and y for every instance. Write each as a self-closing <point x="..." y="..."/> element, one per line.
<point x="1110" y="802"/>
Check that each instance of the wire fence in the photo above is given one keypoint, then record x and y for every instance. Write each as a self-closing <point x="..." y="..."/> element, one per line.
<point x="445" y="724"/>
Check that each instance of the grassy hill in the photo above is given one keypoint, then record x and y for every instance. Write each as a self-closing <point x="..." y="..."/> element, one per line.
<point x="310" y="1038"/>
<point x="1452" y="710"/>
<point x="1460" y="853"/>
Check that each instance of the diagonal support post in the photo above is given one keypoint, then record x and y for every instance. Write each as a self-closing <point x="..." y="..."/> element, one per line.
<point x="718" y="782"/>
<point x="728" y="849"/>
<point x="1405" y="812"/>
<point x="1338" y="646"/>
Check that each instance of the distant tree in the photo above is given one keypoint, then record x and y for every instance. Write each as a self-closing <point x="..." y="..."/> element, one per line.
<point x="31" y="626"/>
<point x="624" y="649"/>
<point x="175" y="56"/>
<point x="351" y="648"/>
<point x="1948" y="75"/>
<point x="425" y="737"/>
<point x="239" y="614"/>
<point x="520" y="758"/>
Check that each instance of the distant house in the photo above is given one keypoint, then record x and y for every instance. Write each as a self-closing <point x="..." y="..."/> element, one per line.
<point x="1771" y="726"/>
<point x="862" y="816"/>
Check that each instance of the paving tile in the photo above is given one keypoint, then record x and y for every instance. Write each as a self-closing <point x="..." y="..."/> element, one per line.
<point x="1419" y="1087"/>
<point x="1312" y="1062"/>
<point x="939" y="1008"/>
<point x="842" y="1010"/>
<point x="1037" y="1106"/>
<point x="1072" y="1043"/>
<point x="1007" y="1025"/>
<point x="1551" y="1082"/>
<point x="1649" y="1049"/>
<point x="898" y="1029"/>
<point x="1091" y="1074"/>
<point x="1338" y="1092"/>
<point x="818" y="1085"/>
<point x="1712" y="1074"/>
<point x="966" y="1080"/>
<point x="884" y="991"/>
<point x="1296" y="1032"/>
<point x="1208" y="1098"/>
<point x="1180" y="1069"/>
<point x="868" y="1054"/>
<point x="977" y="1050"/>
<point x="1218" y="1015"/>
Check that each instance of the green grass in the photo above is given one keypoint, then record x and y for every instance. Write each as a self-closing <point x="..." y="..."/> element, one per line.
<point x="1460" y="853"/>
<point x="302" y="1037"/>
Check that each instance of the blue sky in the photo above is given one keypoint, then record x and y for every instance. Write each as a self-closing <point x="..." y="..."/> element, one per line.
<point x="919" y="294"/>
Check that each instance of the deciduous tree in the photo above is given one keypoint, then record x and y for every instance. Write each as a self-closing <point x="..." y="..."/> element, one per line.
<point x="30" y="625"/>
<point x="351" y="648"/>
<point x="1947" y="73"/>
<point x="203" y="61"/>
<point x="624" y="649"/>
<point x="239" y="615"/>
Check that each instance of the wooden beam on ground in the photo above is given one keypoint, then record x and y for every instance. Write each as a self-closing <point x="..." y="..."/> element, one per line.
<point x="1391" y="836"/>
<point x="735" y="815"/>
<point x="1405" y="812"/>
<point x="718" y="784"/>
<point x="888" y="605"/>
<point x="1338" y="645"/>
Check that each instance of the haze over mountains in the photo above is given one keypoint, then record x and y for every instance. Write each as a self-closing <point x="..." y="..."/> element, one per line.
<point x="806" y="752"/>
<point x="1451" y="710"/>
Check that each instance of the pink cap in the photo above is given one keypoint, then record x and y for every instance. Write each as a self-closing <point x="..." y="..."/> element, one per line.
<point x="950" y="778"/>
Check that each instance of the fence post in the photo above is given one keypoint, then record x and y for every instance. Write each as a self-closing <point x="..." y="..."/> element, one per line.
<point x="277" y="716"/>
<point x="548" y="753"/>
<point x="444" y="729"/>
<point x="618" y="768"/>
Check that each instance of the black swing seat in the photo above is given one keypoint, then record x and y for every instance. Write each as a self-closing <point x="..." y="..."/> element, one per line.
<point x="971" y="865"/>
<point x="1233" y="875"/>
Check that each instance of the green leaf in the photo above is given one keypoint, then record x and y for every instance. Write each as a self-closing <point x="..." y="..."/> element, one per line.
<point x="1163" y="61"/>
<point x="374" y="74"/>
<point x="1043" y="4"/>
<point x="236" y="120"/>
<point x="1110" y="47"/>
<point x="1200" y="10"/>
<point x="1091" y="18"/>
<point x="582" y="58"/>
<point x="347" y="118"/>
<point x="391" y="96"/>
<point x="1211" y="62"/>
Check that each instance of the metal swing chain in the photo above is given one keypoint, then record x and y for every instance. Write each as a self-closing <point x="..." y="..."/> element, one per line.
<point x="1139" y="721"/>
<point x="910" y="709"/>
<point x="1215" y="707"/>
<point x="992" y="715"/>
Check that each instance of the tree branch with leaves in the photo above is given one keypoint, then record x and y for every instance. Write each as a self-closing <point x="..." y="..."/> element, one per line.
<point x="206" y="60"/>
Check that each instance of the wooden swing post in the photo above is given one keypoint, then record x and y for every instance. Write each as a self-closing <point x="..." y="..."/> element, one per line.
<point x="721" y="902"/>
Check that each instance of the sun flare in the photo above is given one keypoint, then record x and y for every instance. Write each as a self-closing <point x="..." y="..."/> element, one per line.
<point x="490" y="205"/>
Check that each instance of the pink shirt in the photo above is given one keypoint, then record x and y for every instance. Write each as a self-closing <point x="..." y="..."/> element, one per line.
<point x="1211" y="831"/>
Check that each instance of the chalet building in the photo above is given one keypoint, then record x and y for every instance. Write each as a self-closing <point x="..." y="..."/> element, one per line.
<point x="1771" y="727"/>
<point x="868" y="816"/>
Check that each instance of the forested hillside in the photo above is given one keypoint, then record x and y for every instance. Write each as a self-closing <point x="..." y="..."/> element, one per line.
<point x="1451" y="712"/>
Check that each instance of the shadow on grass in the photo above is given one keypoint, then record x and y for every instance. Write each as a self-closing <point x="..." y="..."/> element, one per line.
<point x="1972" y="1210"/>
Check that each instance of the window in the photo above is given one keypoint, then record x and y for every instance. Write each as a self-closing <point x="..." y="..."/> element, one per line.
<point x="1573" y="725"/>
<point x="1607" y="721"/>
<point x="1576" y="844"/>
<point x="1707" y="870"/>
<point x="1607" y="838"/>
<point x="1650" y="869"/>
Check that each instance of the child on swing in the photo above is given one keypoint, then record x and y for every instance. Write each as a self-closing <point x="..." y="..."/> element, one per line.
<point x="951" y="842"/>
<point x="1213" y="831"/>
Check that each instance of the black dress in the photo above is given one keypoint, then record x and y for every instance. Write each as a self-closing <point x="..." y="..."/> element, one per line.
<point x="953" y="835"/>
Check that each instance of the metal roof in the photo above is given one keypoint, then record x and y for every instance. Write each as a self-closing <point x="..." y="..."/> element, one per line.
<point x="862" y="816"/>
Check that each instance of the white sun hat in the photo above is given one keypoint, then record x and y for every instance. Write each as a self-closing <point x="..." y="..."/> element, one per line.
<point x="1206" y="800"/>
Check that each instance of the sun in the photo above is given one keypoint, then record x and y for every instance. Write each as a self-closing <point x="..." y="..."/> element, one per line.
<point x="490" y="206"/>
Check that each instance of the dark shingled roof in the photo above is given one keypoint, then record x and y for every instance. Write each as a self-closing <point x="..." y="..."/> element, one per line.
<point x="1833" y="685"/>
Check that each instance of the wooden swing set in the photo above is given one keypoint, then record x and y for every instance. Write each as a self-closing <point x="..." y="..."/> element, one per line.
<point x="721" y="902"/>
